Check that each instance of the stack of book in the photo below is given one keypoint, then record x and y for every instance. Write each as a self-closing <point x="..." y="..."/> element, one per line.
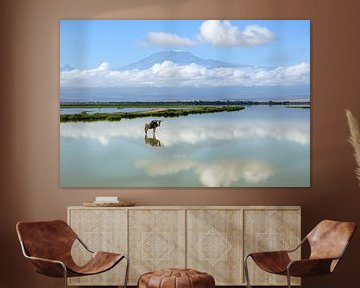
<point x="106" y="199"/>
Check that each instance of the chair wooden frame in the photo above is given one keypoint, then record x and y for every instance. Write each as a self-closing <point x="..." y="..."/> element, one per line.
<point x="58" y="267"/>
<point x="315" y="265"/>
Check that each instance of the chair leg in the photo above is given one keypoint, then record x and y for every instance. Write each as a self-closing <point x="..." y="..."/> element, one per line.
<point x="127" y="271"/>
<point x="246" y="270"/>
<point x="288" y="278"/>
<point x="65" y="276"/>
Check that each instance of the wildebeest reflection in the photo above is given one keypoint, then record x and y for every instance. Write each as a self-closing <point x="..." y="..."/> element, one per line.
<point x="152" y="125"/>
<point x="152" y="141"/>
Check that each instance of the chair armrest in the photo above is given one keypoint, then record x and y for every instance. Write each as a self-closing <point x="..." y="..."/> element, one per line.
<point x="309" y="267"/>
<point x="45" y="260"/>
<point x="255" y="255"/>
<point x="280" y="251"/>
<point x="48" y="267"/>
<point x="271" y="261"/>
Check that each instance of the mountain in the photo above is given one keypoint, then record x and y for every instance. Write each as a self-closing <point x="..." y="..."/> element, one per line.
<point x="66" y="67"/>
<point x="178" y="57"/>
<point x="151" y="93"/>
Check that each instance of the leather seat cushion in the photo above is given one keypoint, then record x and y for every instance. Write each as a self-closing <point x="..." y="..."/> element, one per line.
<point x="176" y="278"/>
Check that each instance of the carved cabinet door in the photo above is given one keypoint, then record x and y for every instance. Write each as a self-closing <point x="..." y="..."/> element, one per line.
<point x="270" y="230"/>
<point x="156" y="240"/>
<point x="214" y="244"/>
<point x="101" y="230"/>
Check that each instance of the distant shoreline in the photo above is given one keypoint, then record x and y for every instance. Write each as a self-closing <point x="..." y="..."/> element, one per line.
<point x="179" y="104"/>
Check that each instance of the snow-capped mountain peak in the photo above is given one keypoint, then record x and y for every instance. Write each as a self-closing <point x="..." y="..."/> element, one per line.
<point x="179" y="57"/>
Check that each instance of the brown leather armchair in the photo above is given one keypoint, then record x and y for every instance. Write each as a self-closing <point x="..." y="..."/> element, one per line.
<point x="328" y="242"/>
<point x="48" y="245"/>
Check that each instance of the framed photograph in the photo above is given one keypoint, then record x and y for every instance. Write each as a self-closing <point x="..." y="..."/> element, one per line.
<point x="185" y="103"/>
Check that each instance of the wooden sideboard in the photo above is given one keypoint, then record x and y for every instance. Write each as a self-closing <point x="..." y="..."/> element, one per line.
<point x="212" y="239"/>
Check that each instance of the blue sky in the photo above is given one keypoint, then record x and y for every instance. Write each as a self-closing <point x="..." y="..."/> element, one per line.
<point x="85" y="44"/>
<point x="276" y="55"/>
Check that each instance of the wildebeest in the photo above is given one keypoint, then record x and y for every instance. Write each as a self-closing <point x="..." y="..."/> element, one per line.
<point x="152" y="125"/>
<point x="152" y="141"/>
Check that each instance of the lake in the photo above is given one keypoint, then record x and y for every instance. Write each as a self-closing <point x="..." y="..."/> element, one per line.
<point x="260" y="146"/>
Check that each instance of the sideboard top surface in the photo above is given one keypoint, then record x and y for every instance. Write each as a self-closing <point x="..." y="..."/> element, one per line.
<point x="193" y="207"/>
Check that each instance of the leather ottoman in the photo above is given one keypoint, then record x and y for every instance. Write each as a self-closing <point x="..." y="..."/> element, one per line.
<point x="176" y="278"/>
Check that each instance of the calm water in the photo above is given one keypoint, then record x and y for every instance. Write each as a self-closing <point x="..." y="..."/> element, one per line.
<point x="260" y="146"/>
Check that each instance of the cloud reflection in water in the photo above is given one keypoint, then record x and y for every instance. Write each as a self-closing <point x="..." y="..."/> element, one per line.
<point x="176" y="132"/>
<point x="217" y="173"/>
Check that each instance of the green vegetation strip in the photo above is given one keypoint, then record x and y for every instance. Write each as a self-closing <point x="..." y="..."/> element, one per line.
<point x="117" y="116"/>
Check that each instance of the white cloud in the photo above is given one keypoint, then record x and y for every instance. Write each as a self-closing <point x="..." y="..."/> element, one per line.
<point x="168" y="74"/>
<point x="223" y="33"/>
<point x="213" y="32"/>
<point x="103" y="67"/>
<point x="168" y="39"/>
